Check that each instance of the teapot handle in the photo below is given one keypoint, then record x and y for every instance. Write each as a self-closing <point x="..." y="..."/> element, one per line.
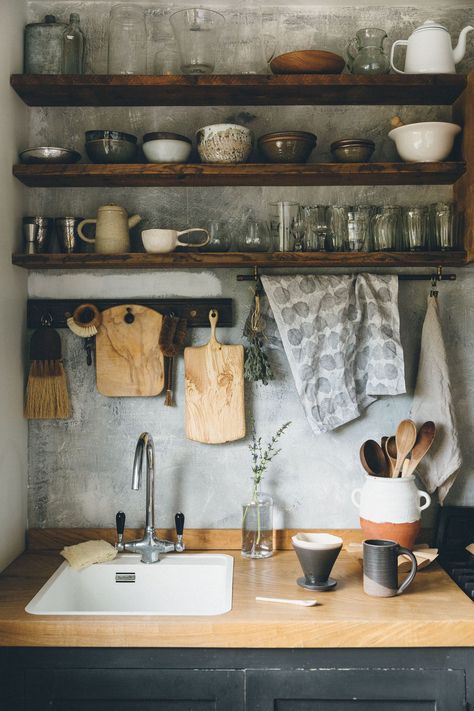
<point x="355" y="496"/>
<point x="81" y="233"/>
<point x="401" y="43"/>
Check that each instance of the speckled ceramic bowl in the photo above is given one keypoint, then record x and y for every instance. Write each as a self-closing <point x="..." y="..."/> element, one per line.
<point x="224" y="143"/>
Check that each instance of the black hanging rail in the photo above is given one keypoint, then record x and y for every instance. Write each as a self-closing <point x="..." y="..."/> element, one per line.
<point x="195" y="311"/>
<point x="433" y="277"/>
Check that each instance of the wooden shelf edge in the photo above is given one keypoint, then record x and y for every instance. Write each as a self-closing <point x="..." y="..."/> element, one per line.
<point x="242" y="174"/>
<point x="212" y="260"/>
<point x="256" y="90"/>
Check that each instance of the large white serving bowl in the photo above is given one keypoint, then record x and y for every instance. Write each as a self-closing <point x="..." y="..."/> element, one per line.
<point x="426" y="142"/>
<point x="181" y="584"/>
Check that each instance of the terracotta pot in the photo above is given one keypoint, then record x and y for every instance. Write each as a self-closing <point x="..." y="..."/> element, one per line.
<point x="391" y="509"/>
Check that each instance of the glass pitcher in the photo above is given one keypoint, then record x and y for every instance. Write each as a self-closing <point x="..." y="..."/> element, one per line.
<point x="366" y="53"/>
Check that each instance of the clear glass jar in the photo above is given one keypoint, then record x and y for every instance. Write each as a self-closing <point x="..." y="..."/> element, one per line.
<point x="127" y="40"/>
<point x="257" y="525"/>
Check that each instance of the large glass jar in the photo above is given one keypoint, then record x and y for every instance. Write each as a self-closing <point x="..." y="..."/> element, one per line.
<point x="257" y="525"/>
<point x="127" y="40"/>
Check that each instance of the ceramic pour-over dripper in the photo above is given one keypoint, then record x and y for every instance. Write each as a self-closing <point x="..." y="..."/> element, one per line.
<point x="317" y="553"/>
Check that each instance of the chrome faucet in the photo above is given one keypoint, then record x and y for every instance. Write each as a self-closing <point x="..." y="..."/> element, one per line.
<point x="150" y="547"/>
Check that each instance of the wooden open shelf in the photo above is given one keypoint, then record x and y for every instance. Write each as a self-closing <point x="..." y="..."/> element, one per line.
<point x="188" y="260"/>
<point x="208" y="174"/>
<point x="228" y="90"/>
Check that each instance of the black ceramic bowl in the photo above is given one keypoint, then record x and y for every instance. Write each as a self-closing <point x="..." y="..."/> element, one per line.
<point x="287" y="146"/>
<point x="114" y="135"/>
<point x="110" y="150"/>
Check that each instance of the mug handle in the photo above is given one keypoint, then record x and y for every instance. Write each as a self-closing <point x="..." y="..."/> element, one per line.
<point x="427" y="498"/>
<point x="412" y="573"/>
<point x="392" y="52"/>
<point x="81" y="233"/>
<point x="353" y="497"/>
<point x="193" y="229"/>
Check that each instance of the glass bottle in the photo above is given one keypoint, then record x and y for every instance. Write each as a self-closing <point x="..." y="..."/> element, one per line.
<point x="219" y="237"/>
<point x="257" y="525"/>
<point x="127" y="40"/>
<point x="366" y="52"/>
<point x="73" y="46"/>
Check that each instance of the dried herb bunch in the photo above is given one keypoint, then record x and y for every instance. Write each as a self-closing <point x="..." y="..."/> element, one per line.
<point x="256" y="366"/>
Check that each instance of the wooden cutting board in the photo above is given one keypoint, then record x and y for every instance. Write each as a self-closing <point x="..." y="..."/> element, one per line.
<point x="129" y="362"/>
<point x="214" y="403"/>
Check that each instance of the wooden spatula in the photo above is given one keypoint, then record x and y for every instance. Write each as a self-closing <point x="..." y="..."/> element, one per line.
<point x="405" y="438"/>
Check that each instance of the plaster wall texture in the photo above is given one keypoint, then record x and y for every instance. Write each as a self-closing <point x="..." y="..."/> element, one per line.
<point x="80" y="470"/>
<point x="13" y="430"/>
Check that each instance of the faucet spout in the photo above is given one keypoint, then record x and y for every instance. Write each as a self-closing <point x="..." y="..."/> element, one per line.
<point x="145" y="446"/>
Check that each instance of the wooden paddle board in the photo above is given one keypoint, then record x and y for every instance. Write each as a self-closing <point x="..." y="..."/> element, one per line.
<point x="214" y="403"/>
<point x="129" y="362"/>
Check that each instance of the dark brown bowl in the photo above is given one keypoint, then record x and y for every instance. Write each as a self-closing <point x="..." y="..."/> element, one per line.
<point x="287" y="146"/>
<point x="352" y="150"/>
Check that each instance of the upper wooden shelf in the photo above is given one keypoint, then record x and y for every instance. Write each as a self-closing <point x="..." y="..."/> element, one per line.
<point x="251" y="174"/>
<point x="188" y="260"/>
<point x="228" y="90"/>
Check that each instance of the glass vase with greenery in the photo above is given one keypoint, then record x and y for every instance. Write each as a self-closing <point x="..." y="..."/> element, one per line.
<point x="257" y="514"/>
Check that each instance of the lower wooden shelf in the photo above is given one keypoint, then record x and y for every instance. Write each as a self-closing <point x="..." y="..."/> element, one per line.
<point x="188" y="260"/>
<point x="88" y="175"/>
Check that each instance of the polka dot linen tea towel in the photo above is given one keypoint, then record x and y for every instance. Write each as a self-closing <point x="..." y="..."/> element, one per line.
<point x="341" y="335"/>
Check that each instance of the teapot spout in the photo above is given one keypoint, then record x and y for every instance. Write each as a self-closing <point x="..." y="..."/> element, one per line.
<point x="460" y="49"/>
<point x="133" y="221"/>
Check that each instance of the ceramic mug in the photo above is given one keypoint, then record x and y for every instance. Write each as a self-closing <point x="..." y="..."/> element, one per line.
<point x="381" y="568"/>
<point x="163" y="241"/>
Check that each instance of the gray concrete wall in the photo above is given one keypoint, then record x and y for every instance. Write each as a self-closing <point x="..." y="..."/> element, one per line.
<point x="80" y="470"/>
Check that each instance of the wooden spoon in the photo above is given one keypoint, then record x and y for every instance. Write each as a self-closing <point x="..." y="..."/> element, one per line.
<point x="405" y="438"/>
<point x="373" y="459"/>
<point x="424" y="440"/>
<point x="391" y="452"/>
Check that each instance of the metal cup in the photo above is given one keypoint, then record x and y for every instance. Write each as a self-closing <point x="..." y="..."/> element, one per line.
<point x="44" y="231"/>
<point x="66" y="231"/>
<point x="30" y="231"/>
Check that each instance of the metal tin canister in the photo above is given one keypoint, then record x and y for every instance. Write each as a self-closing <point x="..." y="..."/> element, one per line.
<point x="43" y="46"/>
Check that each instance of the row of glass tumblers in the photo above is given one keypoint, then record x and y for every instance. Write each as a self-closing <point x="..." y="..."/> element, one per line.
<point x="296" y="227"/>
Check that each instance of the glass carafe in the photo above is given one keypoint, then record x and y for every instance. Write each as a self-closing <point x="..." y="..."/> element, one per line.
<point x="366" y="53"/>
<point x="197" y="33"/>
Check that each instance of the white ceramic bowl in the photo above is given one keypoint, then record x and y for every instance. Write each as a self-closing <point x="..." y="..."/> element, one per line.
<point x="224" y="143"/>
<point x="426" y="142"/>
<point x="162" y="147"/>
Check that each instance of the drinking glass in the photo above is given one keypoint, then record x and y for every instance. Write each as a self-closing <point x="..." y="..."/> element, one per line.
<point x="415" y="222"/>
<point x="336" y="238"/>
<point x="219" y="237"/>
<point x="249" y="50"/>
<point x="315" y="227"/>
<point x="255" y="236"/>
<point x="349" y="228"/>
<point x="444" y="223"/>
<point x="166" y="60"/>
<point x="197" y="34"/>
<point x="127" y="40"/>
<point x="284" y="217"/>
<point x="386" y="228"/>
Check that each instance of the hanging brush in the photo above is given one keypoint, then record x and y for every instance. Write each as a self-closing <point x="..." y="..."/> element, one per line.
<point x="85" y="321"/>
<point x="172" y="337"/>
<point x="47" y="397"/>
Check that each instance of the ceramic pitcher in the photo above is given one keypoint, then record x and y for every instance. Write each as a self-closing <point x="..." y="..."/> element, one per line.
<point x="111" y="231"/>
<point x="390" y="508"/>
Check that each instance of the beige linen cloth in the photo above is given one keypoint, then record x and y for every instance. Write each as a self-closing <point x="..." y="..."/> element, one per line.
<point x="433" y="400"/>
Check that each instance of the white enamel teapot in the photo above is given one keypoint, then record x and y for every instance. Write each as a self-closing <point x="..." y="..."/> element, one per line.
<point x="111" y="232"/>
<point x="429" y="50"/>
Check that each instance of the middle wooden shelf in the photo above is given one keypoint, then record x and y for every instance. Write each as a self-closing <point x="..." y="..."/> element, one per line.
<point x="244" y="174"/>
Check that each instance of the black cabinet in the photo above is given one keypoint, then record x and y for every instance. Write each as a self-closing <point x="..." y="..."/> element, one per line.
<point x="134" y="690"/>
<point x="356" y="689"/>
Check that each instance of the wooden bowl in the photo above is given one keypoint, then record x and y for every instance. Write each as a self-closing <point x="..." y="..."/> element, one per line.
<point x="308" y="61"/>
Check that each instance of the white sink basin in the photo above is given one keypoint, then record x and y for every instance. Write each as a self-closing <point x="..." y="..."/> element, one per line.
<point x="181" y="584"/>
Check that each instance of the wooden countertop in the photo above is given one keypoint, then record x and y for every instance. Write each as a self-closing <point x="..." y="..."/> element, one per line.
<point x="434" y="612"/>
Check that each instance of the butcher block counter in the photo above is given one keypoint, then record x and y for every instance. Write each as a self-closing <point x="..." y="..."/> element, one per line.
<point x="434" y="612"/>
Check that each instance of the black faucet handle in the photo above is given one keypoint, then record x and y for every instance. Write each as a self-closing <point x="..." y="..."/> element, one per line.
<point x="179" y="523"/>
<point x="120" y="524"/>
